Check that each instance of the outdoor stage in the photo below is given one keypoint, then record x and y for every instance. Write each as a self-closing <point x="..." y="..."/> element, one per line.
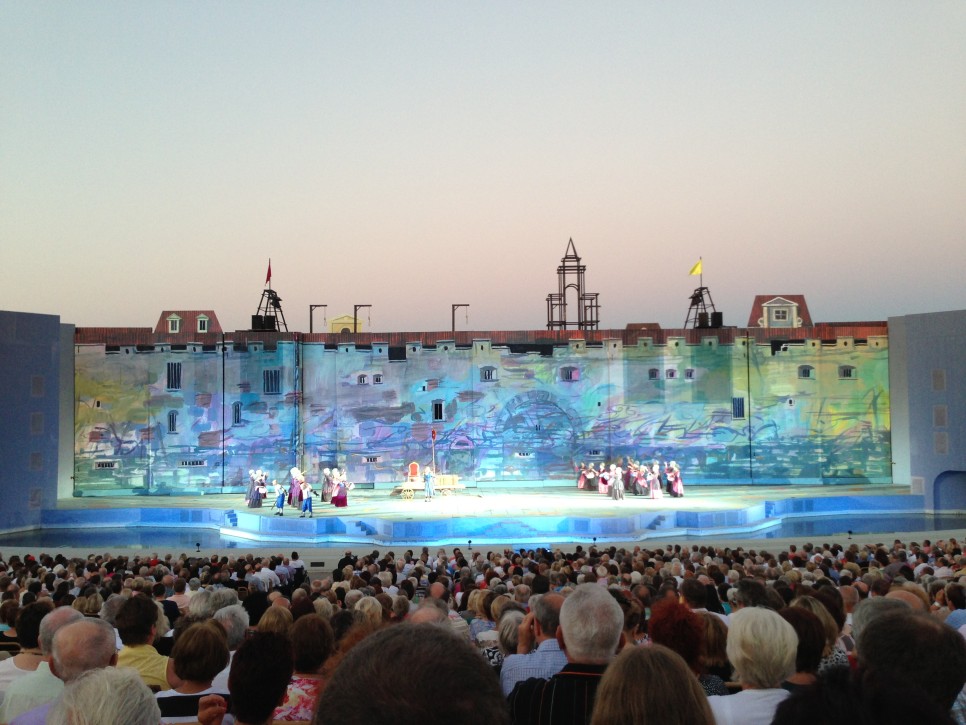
<point x="544" y="515"/>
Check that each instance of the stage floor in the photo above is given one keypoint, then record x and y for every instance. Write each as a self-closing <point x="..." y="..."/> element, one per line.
<point x="516" y="516"/>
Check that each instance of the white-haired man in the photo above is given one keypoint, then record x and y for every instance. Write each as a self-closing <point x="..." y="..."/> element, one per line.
<point x="591" y="632"/>
<point x="84" y="645"/>
<point x="41" y="685"/>
<point x="107" y="696"/>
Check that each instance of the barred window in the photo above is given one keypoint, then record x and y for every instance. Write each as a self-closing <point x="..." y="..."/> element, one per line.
<point x="272" y="382"/>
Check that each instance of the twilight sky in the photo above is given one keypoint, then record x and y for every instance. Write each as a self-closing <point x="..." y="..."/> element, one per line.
<point x="412" y="155"/>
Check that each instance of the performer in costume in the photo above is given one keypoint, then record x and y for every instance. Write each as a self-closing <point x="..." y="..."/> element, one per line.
<point x="327" y="486"/>
<point x="254" y="495"/>
<point x="340" y="496"/>
<point x="295" y="488"/>
<point x="305" y="488"/>
<point x="581" y="475"/>
<point x="279" y="497"/>
<point x="674" y="483"/>
<point x="653" y="478"/>
<point x="616" y="483"/>
<point x="428" y="478"/>
<point x="603" y="480"/>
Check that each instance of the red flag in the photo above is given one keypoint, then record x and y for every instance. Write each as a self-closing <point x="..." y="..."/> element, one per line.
<point x="434" y="434"/>
<point x="268" y="277"/>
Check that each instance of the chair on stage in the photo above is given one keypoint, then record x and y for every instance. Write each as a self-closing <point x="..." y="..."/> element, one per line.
<point x="413" y="472"/>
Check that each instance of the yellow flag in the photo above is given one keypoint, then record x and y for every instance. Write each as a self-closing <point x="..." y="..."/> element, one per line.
<point x="696" y="269"/>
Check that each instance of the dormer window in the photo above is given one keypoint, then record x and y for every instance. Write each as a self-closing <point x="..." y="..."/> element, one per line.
<point x="202" y="323"/>
<point x="781" y="315"/>
<point x="174" y="325"/>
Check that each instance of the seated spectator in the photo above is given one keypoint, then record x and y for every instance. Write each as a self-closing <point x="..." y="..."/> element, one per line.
<point x="429" y="675"/>
<point x="28" y="636"/>
<point x="137" y="624"/>
<point x="650" y="685"/>
<point x="918" y="650"/>
<point x="832" y="655"/>
<point x="313" y="644"/>
<point x="483" y="621"/>
<point x="107" y="696"/>
<point x="538" y="652"/>
<point x="507" y="629"/>
<point x="259" y="678"/>
<point x="854" y="698"/>
<point x="234" y="619"/>
<point x="590" y="633"/>
<point x="811" y="644"/>
<point x="8" y="626"/>
<point x="714" y="652"/>
<point x="277" y="620"/>
<point x="680" y="629"/>
<point x="761" y="647"/>
<point x="40" y="686"/>
<point x="80" y="647"/>
<point x="199" y="654"/>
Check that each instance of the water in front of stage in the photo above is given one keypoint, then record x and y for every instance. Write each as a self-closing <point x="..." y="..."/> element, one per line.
<point x="182" y="540"/>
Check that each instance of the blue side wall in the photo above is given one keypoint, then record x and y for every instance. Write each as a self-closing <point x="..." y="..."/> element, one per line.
<point x="30" y="368"/>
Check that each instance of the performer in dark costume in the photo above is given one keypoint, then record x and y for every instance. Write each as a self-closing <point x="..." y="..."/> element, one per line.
<point x="256" y="483"/>
<point x="295" y="488"/>
<point x="674" y="483"/>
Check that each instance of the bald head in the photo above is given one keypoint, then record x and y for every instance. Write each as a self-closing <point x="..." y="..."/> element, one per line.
<point x="60" y="617"/>
<point x="87" y="644"/>
<point x="908" y="597"/>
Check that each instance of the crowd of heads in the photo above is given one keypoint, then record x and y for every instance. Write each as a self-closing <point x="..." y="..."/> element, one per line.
<point x="826" y="622"/>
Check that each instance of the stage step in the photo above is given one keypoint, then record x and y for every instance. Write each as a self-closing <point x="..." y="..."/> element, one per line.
<point x="231" y="517"/>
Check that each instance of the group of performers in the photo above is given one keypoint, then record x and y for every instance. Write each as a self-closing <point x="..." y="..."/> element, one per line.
<point x="335" y="490"/>
<point x="639" y="478"/>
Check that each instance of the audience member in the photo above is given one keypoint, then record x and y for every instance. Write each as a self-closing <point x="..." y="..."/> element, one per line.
<point x="259" y="678"/>
<point x="762" y="648"/>
<point x="40" y="686"/>
<point x="107" y="696"/>
<point x="590" y="634"/>
<point x="650" y="685"/>
<point x="28" y="636"/>
<point x="313" y="644"/>
<point x="428" y="675"/>
<point x="538" y="652"/>
<point x="137" y="624"/>
<point x="199" y="654"/>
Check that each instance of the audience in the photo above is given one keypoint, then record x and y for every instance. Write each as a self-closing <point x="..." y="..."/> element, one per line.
<point x="560" y="617"/>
